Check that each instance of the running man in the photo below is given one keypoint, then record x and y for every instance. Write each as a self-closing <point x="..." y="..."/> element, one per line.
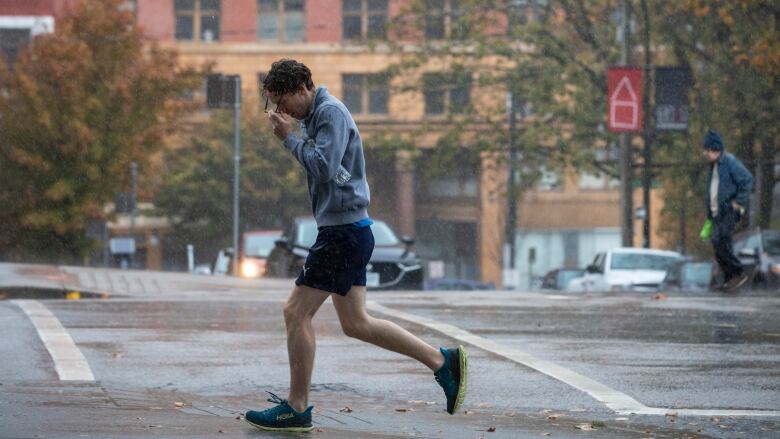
<point x="330" y="150"/>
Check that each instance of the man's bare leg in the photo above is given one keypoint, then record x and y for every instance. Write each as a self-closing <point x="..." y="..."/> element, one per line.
<point x="357" y="323"/>
<point x="301" y="345"/>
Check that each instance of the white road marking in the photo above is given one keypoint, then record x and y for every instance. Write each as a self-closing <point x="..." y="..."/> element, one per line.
<point x="68" y="359"/>
<point x="615" y="400"/>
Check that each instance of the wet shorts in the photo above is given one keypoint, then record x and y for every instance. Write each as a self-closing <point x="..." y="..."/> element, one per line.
<point x="338" y="259"/>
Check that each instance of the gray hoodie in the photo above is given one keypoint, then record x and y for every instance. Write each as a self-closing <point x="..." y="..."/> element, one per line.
<point x="331" y="151"/>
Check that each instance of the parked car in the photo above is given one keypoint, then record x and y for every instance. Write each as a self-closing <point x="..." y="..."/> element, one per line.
<point x="759" y="250"/>
<point x="688" y="275"/>
<point x="256" y="245"/>
<point x="626" y="268"/>
<point x="393" y="264"/>
<point x="559" y="278"/>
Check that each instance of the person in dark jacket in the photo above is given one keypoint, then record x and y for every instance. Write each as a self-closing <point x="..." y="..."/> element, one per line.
<point x="729" y="185"/>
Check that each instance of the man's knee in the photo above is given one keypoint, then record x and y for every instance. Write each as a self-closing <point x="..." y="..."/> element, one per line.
<point x="356" y="328"/>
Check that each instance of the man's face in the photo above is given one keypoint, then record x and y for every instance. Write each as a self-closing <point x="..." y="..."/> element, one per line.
<point x="295" y="104"/>
<point x="711" y="155"/>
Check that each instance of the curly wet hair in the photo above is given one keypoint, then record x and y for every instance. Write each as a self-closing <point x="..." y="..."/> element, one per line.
<point x="286" y="75"/>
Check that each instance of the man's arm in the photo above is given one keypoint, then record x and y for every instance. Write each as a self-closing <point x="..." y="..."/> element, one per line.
<point x="743" y="181"/>
<point x="322" y="158"/>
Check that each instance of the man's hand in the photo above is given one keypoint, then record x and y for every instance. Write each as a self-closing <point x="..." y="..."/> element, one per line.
<point x="737" y="207"/>
<point x="282" y="126"/>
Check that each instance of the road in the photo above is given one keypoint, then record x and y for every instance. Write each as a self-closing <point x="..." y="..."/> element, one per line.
<point x="144" y="354"/>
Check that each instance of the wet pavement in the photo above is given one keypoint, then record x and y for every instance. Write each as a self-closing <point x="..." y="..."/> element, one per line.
<point x="184" y="356"/>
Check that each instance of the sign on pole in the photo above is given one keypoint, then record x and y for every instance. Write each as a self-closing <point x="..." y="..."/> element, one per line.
<point x="624" y="94"/>
<point x="671" y="98"/>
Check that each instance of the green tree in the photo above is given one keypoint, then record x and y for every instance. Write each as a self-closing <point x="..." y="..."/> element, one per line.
<point x="733" y="50"/>
<point x="197" y="191"/>
<point x="553" y="57"/>
<point x="79" y="106"/>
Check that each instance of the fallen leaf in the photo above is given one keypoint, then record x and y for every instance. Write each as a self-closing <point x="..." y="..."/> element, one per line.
<point x="238" y="417"/>
<point x="552" y="417"/>
<point x="178" y="404"/>
<point x="546" y="434"/>
<point x="221" y="431"/>
<point x="404" y="410"/>
<point x="660" y="296"/>
<point x="491" y="429"/>
<point x="585" y="427"/>
<point x="346" y="409"/>
<point x="468" y="412"/>
<point x="671" y="413"/>
<point x="117" y="354"/>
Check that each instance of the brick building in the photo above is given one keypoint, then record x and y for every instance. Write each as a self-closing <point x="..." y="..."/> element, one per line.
<point x="456" y="219"/>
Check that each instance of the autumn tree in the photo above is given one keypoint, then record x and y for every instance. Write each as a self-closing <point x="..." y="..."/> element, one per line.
<point x="80" y="105"/>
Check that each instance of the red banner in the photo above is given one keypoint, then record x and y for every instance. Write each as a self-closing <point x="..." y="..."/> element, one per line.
<point x="624" y="97"/>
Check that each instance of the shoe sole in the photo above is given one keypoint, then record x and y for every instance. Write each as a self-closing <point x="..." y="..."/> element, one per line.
<point x="464" y="375"/>
<point x="738" y="285"/>
<point x="287" y="429"/>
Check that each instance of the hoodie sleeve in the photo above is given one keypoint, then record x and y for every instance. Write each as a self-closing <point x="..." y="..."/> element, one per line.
<point x="743" y="181"/>
<point x="322" y="156"/>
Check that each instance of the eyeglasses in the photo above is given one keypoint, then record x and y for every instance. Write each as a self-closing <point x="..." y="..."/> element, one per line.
<point x="276" y="110"/>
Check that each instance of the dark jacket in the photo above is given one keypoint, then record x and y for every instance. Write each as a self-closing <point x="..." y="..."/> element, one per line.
<point x="734" y="183"/>
<point x="331" y="151"/>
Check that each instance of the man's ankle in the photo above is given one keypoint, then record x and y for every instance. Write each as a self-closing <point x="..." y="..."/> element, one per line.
<point x="299" y="407"/>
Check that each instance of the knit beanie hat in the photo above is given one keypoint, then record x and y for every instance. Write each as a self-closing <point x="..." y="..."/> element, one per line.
<point x="713" y="141"/>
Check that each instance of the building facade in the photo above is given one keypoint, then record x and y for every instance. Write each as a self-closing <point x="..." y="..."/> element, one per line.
<point x="457" y="219"/>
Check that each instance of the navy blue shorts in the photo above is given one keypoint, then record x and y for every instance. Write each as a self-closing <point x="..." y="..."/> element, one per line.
<point x="338" y="259"/>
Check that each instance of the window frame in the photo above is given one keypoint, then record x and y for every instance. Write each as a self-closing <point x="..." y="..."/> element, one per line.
<point x="197" y="14"/>
<point x="445" y="19"/>
<point x="447" y="85"/>
<point x="281" y="15"/>
<point x="365" y="87"/>
<point x="365" y="15"/>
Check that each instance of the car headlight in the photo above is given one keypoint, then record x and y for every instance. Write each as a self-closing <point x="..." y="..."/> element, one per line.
<point x="250" y="269"/>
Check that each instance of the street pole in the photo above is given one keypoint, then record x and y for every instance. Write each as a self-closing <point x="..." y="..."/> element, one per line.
<point x="511" y="192"/>
<point x="626" y="191"/>
<point x="134" y="178"/>
<point x="236" y="167"/>
<point x="647" y="176"/>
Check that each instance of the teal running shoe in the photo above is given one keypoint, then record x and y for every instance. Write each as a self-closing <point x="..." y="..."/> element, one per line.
<point x="280" y="418"/>
<point x="452" y="377"/>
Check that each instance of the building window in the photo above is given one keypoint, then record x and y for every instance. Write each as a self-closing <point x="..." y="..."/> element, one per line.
<point x="522" y="12"/>
<point x="197" y="20"/>
<point x="445" y="94"/>
<point x="366" y="94"/>
<point x="16" y="32"/>
<point x="12" y="41"/>
<point x="599" y="181"/>
<point x="364" y="19"/>
<point x="444" y="19"/>
<point x="280" y="20"/>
